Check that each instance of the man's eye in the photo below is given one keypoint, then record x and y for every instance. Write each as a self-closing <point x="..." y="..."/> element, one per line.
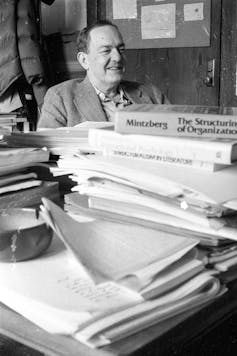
<point x="105" y="51"/>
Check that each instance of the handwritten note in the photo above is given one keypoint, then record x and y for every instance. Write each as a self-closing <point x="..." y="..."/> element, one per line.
<point x="96" y="297"/>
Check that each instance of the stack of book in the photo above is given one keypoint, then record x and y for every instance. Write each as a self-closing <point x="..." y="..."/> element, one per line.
<point x="188" y="138"/>
<point x="20" y="185"/>
<point x="12" y="121"/>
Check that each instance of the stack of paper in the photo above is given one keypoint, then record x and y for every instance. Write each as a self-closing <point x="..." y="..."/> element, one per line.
<point x="62" y="141"/>
<point x="137" y="253"/>
<point x="178" y="201"/>
<point x="99" y="296"/>
<point x="160" y="194"/>
<point x="10" y="121"/>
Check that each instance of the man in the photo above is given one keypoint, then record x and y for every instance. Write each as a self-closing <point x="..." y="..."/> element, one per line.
<point x="103" y="91"/>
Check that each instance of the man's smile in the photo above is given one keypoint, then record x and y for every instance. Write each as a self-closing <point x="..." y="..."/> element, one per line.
<point x="116" y="68"/>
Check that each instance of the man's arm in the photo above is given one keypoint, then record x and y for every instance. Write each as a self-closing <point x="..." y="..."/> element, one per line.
<point x="53" y="114"/>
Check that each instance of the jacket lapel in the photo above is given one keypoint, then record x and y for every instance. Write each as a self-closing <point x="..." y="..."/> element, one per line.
<point x="134" y="94"/>
<point x="88" y="103"/>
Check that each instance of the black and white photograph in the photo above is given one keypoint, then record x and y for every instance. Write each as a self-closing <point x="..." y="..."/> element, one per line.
<point x="118" y="177"/>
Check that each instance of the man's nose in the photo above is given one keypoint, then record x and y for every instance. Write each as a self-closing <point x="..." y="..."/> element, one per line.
<point x="116" y="55"/>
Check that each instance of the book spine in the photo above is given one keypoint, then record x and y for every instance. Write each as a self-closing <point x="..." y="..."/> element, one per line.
<point x="176" y="124"/>
<point x="179" y="162"/>
<point x="110" y="142"/>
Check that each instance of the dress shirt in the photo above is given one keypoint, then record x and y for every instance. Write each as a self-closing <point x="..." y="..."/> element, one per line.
<point x="112" y="104"/>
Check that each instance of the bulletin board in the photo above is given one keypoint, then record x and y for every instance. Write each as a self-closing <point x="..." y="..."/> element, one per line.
<point x="161" y="23"/>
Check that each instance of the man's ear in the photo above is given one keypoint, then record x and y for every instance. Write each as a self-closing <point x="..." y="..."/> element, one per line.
<point x="82" y="59"/>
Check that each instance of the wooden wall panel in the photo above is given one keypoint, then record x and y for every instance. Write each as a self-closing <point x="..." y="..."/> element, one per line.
<point x="228" y="89"/>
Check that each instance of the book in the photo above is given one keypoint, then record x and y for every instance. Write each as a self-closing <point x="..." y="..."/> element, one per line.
<point x="16" y="177"/>
<point x="222" y="151"/>
<point x="16" y="159"/>
<point x="30" y="197"/>
<point x="177" y="120"/>
<point x="177" y="161"/>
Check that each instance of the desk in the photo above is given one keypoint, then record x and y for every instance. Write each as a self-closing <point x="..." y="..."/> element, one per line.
<point x="159" y="340"/>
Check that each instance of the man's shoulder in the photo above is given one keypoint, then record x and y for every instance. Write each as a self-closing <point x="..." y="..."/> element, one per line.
<point x="66" y="86"/>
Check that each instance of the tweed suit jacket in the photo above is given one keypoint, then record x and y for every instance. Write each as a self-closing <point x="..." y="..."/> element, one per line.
<point x="74" y="101"/>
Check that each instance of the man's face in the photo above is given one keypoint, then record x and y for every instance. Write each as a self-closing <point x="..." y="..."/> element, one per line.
<point x="105" y="57"/>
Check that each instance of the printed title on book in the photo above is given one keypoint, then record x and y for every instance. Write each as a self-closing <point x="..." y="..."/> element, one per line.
<point x="197" y="125"/>
<point x="176" y="124"/>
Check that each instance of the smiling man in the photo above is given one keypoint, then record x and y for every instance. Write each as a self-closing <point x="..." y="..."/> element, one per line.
<point x="101" y="52"/>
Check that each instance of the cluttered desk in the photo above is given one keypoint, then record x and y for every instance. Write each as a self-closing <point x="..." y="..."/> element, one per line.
<point x="143" y="257"/>
<point x="167" y="338"/>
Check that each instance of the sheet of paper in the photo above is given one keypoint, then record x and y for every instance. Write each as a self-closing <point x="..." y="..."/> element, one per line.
<point x="57" y="284"/>
<point x="193" y="12"/>
<point x="96" y="244"/>
<point x="124" y="9"/>
<point x="158" y="21"/>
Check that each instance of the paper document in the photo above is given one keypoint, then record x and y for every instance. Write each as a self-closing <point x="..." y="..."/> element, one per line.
<point x="124" y="9"/>
<point x="167" y="180"/>
<point x="158" y="21"/>
<point x="96" y="245"/>
<point x="57" y="285"/>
